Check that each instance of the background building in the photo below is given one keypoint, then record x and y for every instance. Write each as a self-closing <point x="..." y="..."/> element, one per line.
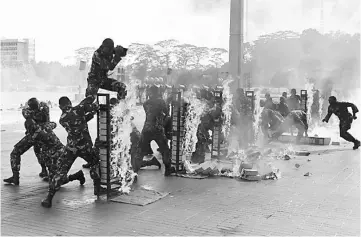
<point x="17" y="51"/>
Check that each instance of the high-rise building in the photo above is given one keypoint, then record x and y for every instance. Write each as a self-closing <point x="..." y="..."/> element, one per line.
<point x="17" y="51"/>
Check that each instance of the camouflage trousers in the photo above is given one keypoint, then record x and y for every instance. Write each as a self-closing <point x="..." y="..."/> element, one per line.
<point x="105" y="83"/>
<point x="160" y="138"/>
<point x="66" y="160"/>
<point x="345" y="125"/>
<point x="23" y="146"/>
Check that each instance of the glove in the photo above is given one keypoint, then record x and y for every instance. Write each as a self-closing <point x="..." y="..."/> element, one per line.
<point x="96" y="106"/>
<point x="118" y="50"/>
<point x="324" y="121"/>
<point x="354" y="117"/>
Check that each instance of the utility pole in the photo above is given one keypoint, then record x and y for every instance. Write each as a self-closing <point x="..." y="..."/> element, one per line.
<point x="236" y="40"/>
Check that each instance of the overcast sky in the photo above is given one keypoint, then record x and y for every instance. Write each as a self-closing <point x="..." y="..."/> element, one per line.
<point x="61" y="26"/>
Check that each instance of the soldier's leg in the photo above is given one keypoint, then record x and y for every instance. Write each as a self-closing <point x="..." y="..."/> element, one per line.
<point x="114" y="85"/>
<point x="162" y="142"/>
<point x="345" y="125"/>
<point x="41" y="160"/>
<point x="200" y="153"/>
<point x="15" y="158"/>
<point x="92" y="89"/>
<point x="62" y="162"/>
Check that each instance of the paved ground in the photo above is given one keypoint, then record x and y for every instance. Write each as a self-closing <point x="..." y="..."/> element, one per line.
<point x="327" y="203"/>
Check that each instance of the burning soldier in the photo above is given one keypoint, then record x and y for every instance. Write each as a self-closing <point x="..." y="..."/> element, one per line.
<point x="156" y="112"/>
<point x="79" y="143"/>
<point x="32" y="110"/>
<point x="105" y="59"/>
<point x="243" y="116"/>
<point x="340" y="109"/>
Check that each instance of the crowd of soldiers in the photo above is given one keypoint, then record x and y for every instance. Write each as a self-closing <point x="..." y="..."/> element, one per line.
<point x="56" y="159"/>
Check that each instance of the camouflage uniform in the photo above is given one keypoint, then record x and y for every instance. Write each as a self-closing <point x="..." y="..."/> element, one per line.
<point x="156" y="111"/>
<point x="341" y="111"/>
<point x="79" y="143"/>
<point x="41" y="115"/>
<point x="29" y="113"/>
<point x="297" y="118"/>
<point x="98" y="78"/>
<point x="136" y="152"/>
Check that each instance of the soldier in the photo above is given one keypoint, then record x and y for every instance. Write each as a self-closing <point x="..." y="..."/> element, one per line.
<point x="282" y="107"/>
<point x="79" y="143"/>
<point x="32" y="107"/>
<point x="270" y="121"/>
<point x="269" y="102"/>
<point x="284" y="94"/>
<point x="156" y="111"/>
<point x="297" y="118"/>
<point x="32" y="110"/>
<point x="53" y="148"/>
<point x="105" y="59"/>
<point x="294" y="101"/>
<point x="340" y="109"/>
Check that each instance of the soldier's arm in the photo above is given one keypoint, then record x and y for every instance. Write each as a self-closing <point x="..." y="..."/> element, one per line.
<point x="89" y="116"/>
<point x="353" y="107"/>
<point x="328" y="116"/>
<point x="104" y="63"/>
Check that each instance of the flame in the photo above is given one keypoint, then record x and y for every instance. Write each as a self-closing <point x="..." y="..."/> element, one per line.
<point x="227" y="106"/>
<point x="122" y="127"/>
<point x="193" y="119"/>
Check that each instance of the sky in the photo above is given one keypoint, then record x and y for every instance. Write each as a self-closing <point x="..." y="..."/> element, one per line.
<point x="62" y="26"/>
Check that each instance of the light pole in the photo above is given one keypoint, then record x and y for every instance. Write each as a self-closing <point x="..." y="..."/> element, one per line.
<point x="236" y="40"/>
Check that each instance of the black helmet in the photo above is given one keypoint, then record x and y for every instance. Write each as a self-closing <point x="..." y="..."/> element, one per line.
<point x="33" y="103"/>
<point x="109" y="43"/>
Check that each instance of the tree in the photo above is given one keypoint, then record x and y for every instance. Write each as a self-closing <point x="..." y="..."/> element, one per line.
<point x="217" y="56"/>
<point x="185" y="55"/>
<point x="200" y="53"/>
<point x="85" y="54"/>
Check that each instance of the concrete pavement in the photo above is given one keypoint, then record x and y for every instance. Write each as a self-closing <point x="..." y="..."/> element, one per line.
<point x="326" y="203"/>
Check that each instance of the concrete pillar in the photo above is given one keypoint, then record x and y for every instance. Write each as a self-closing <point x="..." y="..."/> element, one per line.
<point x="236" y="41"/>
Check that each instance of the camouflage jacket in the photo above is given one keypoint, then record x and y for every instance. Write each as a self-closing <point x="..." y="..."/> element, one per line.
<point x="156" y="111"/>
<point x="44" y="135"/>
<point x="74" y="120"/>
<point x="340" y="109"/>
<point x="101" y="65"/>
<point x="32" y="114"/>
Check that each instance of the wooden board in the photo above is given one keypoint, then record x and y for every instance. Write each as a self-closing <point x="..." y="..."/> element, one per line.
<point x="323" y="141"/>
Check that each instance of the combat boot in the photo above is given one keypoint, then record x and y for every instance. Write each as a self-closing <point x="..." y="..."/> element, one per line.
<point x="44" y="172"/>
<point x="356" y="145"/>
<point x="78" y="176"/>
<point x="15" y="179"/>
<point x="169" y="170"/>
<point x="47" y="202"/>
<point x="153" y="161"/>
